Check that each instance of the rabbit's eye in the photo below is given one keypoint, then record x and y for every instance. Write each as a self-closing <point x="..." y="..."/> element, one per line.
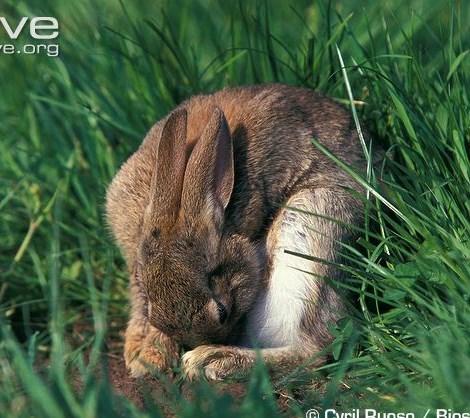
<point x="213" y="276"/>
<point x="217" y="271"/>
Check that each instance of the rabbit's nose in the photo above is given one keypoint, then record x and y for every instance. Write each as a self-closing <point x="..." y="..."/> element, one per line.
<point x="218" y="310"/>
<point x="222" y="310"/>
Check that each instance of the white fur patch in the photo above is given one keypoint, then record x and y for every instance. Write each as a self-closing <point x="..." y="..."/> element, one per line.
<point x="275" y="320"/>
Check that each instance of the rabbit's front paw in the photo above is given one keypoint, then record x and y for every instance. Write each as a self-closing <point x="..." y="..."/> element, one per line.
<point x="148" y="353"/>
<point x="215" y="362"/>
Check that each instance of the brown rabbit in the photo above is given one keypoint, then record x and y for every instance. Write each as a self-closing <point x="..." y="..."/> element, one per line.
<point x="207" y="213"/>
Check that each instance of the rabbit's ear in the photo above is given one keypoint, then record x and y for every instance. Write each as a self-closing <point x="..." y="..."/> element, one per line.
<point x="210" y="174"/>
<point x="168" y="174"/>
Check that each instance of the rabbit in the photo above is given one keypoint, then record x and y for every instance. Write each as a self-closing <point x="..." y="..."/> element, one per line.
<point x="209" y="212"/>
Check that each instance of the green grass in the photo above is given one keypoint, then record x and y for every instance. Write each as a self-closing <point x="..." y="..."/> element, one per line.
<point x="68" y="122"/>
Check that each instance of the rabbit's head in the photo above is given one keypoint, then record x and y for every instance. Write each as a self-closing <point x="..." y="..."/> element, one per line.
<point x="197" y="282"/>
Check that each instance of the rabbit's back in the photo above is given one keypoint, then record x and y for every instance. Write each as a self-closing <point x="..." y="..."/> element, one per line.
<point x="272" y="127"/>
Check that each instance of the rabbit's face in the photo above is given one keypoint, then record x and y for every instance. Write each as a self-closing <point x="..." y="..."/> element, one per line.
<point x="197" y="285"/>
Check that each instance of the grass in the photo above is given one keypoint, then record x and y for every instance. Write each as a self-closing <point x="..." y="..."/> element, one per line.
<point x="68" y="122"/>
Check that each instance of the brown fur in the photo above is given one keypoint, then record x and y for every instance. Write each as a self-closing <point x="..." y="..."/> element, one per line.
<point x="195" y="211"/>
